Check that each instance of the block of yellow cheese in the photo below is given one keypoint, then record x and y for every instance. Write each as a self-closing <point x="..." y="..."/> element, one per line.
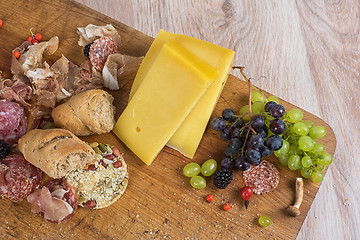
<point x="170" y="89"/>
<point x="187" y="137"/>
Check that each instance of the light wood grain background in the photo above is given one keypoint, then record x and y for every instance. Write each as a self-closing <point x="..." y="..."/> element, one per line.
<point x="309" y="54"/>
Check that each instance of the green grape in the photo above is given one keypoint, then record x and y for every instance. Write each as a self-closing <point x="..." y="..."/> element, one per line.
<point x="273" y="98"/>
<point x="257" y="107"/>
<point x="264" y="221"/>
<point x="310" y="124"/>
<point x="306" y="143"/>
<point x="294" y="115"/>
<point x="318" y="148"/>
<point x="306" y="161"/>
<point x="318" y="166"/>
<point x="191" y="169"/>
<point x="244" y="110"/>
<point x="325" y="159"/>
<point x="294" y="162"/>
<point x="317" y="132"/>
<point x="306" y="172"/>
<point x="198" y="182"/>
<point x="317" y="176"/>
<point x="283" y="150"/>
<point x="294" y="150"/>
<point x="257" y="96"/>
<point x="283" y="159"/>
<point x="300" y="128"/>
<point x="208" y="167"/>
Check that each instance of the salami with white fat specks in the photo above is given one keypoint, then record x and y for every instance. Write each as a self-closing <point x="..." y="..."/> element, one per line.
<point x="262" y="178"/>
<point x="18" y="178"/>
<point x="100" y="50"/>
<point x="12" y="121"/>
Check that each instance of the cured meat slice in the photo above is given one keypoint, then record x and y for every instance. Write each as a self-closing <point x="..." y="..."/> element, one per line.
<point x="262" y="178"/>
<point x="18" y="178"/>
<point x="56" y="201"/>
<point x="100" y="50"/>
<point x="12" y="121"/>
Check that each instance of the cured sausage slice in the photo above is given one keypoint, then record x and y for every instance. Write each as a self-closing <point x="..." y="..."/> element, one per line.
<point x="12" y="121"/>
<point x="56" y="201"/>
<point x="100" y="50"/>
<point x="18" y="178"/>
<point x="262" y="178"/>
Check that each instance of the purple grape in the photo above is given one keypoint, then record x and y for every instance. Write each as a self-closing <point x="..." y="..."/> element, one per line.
<point x="277" y="126"/>
<point x="256" y="141"/>
<point x="265" y="151"/>
<point x="227" y="163"/>
<point x="274" y="142"/>
<point x="235" y="143"/>
<point x="228" y="114"/>
<point x="269" y="105"/>
<point x="277" y="111"/>
<point x="218" y="123"/>
<point x="262" y="131"/>
<point x="257" y="122"/>
<point x="253" y="156"/>
<point x="241" y="164"/>
<point x="235" y="133"/>
<point x="225" y="133"/>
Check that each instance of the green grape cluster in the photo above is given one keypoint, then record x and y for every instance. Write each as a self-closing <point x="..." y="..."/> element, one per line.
<point x="193" y="169"/>
<point x="300" y="149"/>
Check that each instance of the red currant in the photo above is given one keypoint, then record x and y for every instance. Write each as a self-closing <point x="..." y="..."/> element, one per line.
<point x="16" y="54"/>
<point x="29" y="39"/>
<point x="38" y="36"/>
<point x="226" y="206"/>
<point x="209" y="197"/>
<point x="1" y="23"/>
<point x="33" y="42"/>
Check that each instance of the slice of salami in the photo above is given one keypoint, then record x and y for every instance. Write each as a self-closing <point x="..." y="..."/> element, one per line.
<point x="12" y="121"/>
<point x="18" y="178"/>
<point x="100" y="50"/>
<point x="56" y="201"/>
<point x="262" y="178"/>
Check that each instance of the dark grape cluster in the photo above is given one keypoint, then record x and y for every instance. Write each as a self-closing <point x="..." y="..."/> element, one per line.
<point x="252" y="139"/>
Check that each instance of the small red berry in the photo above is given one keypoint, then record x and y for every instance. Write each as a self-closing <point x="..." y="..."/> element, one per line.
<point x="38" y="36"/>
<point x="33" y="42"/>
<point x="29" y="39"/>
<point x="16" y="54"/>
<point x="226" y="206"/>
<point x="1" y="23"/>
<point x="209" y="197"/>
<point x="246" y="193"/>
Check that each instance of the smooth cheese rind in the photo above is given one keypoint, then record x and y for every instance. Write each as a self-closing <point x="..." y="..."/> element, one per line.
<point x="188" y="136"/>
<point x="167" y="94"/>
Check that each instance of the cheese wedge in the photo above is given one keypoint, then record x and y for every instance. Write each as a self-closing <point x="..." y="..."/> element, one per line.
<point x="169" y="90"/>
<point x="187" y="137"/>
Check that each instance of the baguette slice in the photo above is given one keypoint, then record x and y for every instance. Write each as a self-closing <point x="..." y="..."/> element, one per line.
<point x="56" y="151"/>
<point x="89" y="112"/>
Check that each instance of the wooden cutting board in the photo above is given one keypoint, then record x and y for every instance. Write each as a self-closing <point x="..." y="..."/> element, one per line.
<point x="159" y="201"/>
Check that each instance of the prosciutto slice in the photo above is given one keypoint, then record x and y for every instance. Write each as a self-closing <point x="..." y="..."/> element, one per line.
<point x="56" y="201"/>
<point x="91" y="32"/>
<point x="119" y="69"/>
<point x="15" y="90"/>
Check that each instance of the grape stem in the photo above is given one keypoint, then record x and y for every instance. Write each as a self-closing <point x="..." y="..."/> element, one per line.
<point x="249" y="112"/>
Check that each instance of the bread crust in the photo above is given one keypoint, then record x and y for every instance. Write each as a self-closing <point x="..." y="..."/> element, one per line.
<point x="55" y="151"/>
<point x="89" y="112"/>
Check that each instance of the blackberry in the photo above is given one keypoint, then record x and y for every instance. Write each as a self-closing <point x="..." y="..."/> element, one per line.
<point x="4" y="149"/>
<point x="222" y="178"/>
<point x="87" y="49"/>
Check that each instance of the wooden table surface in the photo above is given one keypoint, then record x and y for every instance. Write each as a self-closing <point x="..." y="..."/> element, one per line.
<point x="309" y="54"/>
